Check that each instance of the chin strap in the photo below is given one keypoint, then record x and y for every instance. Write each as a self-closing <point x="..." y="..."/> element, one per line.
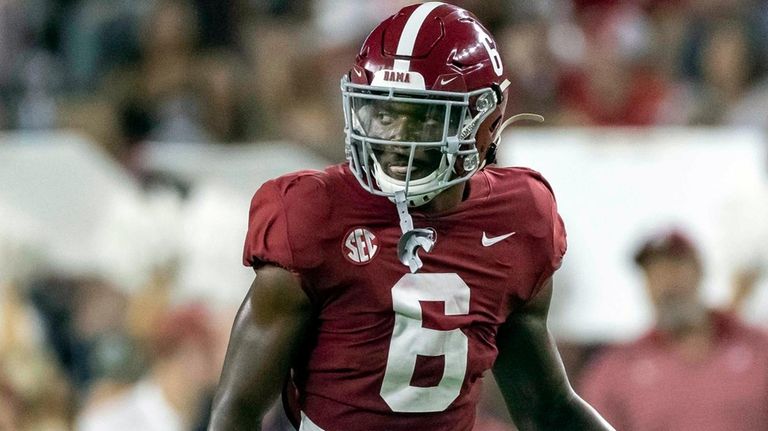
<point x="519" y="117"/>
<point x="490" y="157"/>
<point x="412" y="239"/>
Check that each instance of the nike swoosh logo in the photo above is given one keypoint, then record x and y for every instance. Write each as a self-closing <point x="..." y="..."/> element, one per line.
<point x="446" y="81"/>
<point x="358" y="73"/>
<point x="487" y="242"/>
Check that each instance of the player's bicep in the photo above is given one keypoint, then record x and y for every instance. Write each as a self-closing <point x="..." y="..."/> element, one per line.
<point x="528" y="369"/>
<point x="276" y="295"/>
<point x="267" y="332"/>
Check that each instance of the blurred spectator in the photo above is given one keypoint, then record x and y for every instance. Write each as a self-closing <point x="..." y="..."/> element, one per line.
<point x="233" y="71"/>
<point x="187" y="85"/>
<point x="727" y="65"/>
<point x="217" y="22"/>
<point x="613" y="84"/>
<point x="95" y="36"/>
<point x="34" y="393"/>
<point x="169" y="38"/>
<point x="10" y="408"/>
<point x="534" y="75"/>
<point x="84" y="323"/>
<point x="172" y="395"/>
<point x="698" y="369"/>
<point x="12" y="29"/>
<point x="222" y="87"/>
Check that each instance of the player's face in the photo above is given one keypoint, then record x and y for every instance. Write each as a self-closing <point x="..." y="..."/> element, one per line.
<point x="673" y="284"/>
<point x="404" y="122"/>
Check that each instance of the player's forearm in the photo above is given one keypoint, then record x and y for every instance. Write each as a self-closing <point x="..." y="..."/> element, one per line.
<point x="568" y="413"/>
<point x="241" y="398"/>
<point x="261" y="349"/>
<point x="230" y="414"/>
<point x="254" y="373"/>
<point x="532" y="378"/>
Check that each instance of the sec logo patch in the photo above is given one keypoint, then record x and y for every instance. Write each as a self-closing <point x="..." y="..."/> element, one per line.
<point x="360" y="246"/>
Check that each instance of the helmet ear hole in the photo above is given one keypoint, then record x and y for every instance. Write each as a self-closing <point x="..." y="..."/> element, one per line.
<point x="490" y="155"/>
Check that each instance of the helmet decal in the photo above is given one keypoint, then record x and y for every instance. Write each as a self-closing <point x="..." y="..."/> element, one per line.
<point x="411" y="32"/>
<point x="396" y="79"/>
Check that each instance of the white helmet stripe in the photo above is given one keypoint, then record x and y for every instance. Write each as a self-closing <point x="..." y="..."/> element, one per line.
<point x="410" y="32"/>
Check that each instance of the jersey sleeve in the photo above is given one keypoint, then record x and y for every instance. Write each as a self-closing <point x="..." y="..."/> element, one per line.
<point x="284" y="217"/>
<point x="550" y="228"/>
<point x="267" y="240"/>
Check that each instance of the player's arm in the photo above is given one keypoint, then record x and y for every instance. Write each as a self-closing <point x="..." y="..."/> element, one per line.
<point x="531" y="375"/>
<point x="267" y="331"/>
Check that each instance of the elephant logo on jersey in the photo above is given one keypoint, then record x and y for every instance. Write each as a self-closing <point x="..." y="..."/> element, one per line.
<point x="360" y="246"/>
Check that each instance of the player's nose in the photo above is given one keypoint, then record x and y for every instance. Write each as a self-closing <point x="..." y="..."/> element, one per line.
<point x="402" y="129"/>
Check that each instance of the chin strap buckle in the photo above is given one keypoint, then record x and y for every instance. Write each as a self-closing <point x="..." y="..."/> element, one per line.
<point x="412" y="239"/>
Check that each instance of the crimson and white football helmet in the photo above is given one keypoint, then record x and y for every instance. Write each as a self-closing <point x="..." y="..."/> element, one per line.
<point x="426" y="84"/>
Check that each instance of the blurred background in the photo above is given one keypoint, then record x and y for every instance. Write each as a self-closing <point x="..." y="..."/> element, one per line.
<point x="134" y="132"/>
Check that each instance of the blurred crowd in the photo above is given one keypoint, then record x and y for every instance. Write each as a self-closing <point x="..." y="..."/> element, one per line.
<point x="78" y="353"/>
<point x="128" y="71"/>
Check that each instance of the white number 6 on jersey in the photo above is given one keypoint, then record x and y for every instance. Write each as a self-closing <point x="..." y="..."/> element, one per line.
<point x="410" y="339"/>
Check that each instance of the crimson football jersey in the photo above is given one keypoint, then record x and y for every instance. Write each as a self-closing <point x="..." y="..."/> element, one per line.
<point x="393" y="350"/>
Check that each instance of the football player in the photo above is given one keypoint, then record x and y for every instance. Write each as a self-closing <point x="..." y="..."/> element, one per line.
<point x="387" y="286"/>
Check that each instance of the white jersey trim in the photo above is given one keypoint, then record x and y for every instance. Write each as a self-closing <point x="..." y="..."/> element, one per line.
<point x="307" y="425"/>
